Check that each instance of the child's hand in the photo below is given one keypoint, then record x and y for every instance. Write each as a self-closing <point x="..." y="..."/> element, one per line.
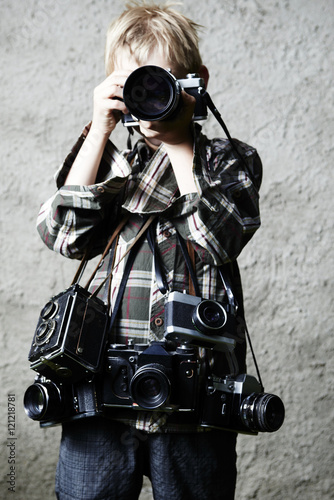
<point x="171" y="132"/>
<point x="108" y="103"/>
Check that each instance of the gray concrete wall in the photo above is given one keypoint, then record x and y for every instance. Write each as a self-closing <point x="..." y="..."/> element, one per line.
<point x="271" y="66"/>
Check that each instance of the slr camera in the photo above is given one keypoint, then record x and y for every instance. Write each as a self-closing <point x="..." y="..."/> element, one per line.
<point x="151" y="377"/>
<point x="51" y="403"/>
<point x="204" y="323"/>
<point x="153" y="93"/>
<point x="69" y="340"/>
<point x="238" y="404"/>
<point x="139" y="377"/>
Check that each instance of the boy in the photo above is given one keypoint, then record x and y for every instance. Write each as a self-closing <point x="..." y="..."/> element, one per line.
<point x="196" y="187"/>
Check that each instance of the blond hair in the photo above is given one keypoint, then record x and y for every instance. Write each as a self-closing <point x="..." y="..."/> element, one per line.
<point x="144" y="26"/>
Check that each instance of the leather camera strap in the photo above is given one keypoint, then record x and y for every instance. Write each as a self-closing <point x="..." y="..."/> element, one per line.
<point x="107" y="248"/>
<point x="191" y="253"/>
<point x="158" y="266"/>
<point x="189" y="257"/>
<point x="132" y="251"/>
<point x="84" y="260"/>
<point x="137" y="238"/>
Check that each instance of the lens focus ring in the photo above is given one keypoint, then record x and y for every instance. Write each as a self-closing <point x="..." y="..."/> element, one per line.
<point x="262" y="412"/>
<point x="150" y="386"/>
<point x="209" y="317"/>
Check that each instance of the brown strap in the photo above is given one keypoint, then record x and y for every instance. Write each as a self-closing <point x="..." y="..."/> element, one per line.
<point x="115" y="234"/>
<point x="106" y="250"/>
<point x="191" y="253"/>
<point x="81" y="267"/>
<point x="139" y="235"/>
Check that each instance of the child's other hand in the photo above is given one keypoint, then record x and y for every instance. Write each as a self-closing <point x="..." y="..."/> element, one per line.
<point x="171" y="132"/>
<point x="108" y="103"/>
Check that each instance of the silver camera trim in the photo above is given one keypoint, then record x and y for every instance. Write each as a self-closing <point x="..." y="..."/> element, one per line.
<point x="187" y="335"/>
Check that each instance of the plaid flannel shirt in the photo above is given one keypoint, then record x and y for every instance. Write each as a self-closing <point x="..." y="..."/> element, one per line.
<point x="218" y="220"/>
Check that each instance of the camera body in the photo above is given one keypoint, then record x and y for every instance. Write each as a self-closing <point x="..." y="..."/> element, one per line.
<point x="52" y="403"/>
<point x="69" y="340"/>
<point x="139" y="377"/>
<point x="152" y="93"/>
<point x="74" y="381"/>
<point x="151" y="377"/>
<point x="204" y="323"/>
<point x="238" y="404"/>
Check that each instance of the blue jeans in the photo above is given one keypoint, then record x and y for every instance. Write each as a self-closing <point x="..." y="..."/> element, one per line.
<point x="102" y="459"/>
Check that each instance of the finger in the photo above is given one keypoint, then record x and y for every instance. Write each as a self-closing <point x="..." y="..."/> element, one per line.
<point x="188" y="99"/>
<point x="117" y="78"/>
<point x="113" y="104"/>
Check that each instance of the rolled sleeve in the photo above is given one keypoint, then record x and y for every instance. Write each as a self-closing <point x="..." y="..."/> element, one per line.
<point x="67" y="220"/>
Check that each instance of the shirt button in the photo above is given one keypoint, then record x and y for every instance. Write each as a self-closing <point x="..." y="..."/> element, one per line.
<point x="158" y="321"/>
<point x="100" y="189"/>
<point x="167" y="234"/>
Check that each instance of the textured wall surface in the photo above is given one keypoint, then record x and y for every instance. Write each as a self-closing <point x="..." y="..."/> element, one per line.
<point x="271" y="65"/>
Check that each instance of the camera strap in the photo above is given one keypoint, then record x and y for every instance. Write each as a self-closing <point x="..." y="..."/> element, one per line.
<point x="85" y="258"/>
<point x="133" y="244"/>
<point x="224" y="273"/>
<point x="158" y="266"/>
<point x="208" y="101"/>
<point x="160" y="272"/>
<point x="189" y="257"/>
<point x="131" y="252"/>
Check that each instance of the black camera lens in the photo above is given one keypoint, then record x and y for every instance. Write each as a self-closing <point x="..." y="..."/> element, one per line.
<point x="42" y="401"/>
<point x="262" y="412"/>
<point x="151" y="93"/>
<point x="209" y="317"/>
<point x="150" y="387"/>
<point x="45" y="331"/>
<point x="49" y="310"/>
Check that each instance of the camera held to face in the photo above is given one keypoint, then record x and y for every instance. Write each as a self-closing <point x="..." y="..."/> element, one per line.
<point x="238" y="403"/>
<point x="152" y="93"/>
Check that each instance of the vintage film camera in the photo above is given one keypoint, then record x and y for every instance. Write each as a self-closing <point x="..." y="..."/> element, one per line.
<point x="156" y="378"/>
<point x="204" y="323"/>
<point x="153" y="93"/>
<point x="69" y="340"/>
<point x="233" y="403"/>
<point x="140" y="377"/>
<point x="239" y="403"/>
<point x="151" y="377"/>
<point x="51" y="403"/>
